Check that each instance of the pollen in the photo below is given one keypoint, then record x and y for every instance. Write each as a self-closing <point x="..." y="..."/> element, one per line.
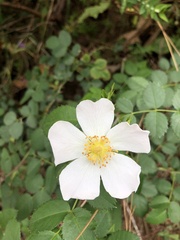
<point x="98" y="150"/>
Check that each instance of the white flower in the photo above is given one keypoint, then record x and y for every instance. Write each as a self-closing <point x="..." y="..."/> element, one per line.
<point x="95" y="152"/>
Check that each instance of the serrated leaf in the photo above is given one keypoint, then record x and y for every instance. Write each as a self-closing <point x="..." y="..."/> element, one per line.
<point x="103" y="201"/>
<point x="164" y="64"/>
<point x="148" y="189"/>
<point x="93" y="11"/>
<point x="175" y="123"/>
<point x="123" y="235"/>
<point x="159" y="202"/>
<point x="137" y="83"/>
<point x="154" y="95"/>
<point x="156" y="123"/>
<point x="124" y="105"/>
<point x="160" y="77"/>
<point x="74" y="223"/>
<point x="16" y="130"/>
<point x="104" y="223"/>
<point x="176" y="100"/>
<point x="45" y="235"/>
<point x="174" y="212"/>
<point x="9" y="118"/>
<point x="156" y="216"/>
<point x="140" y="205"/>
<point x="65" y="113"/>
<point x="49" y="215"/>
<point x="12" y="231"/>
<point x="147" y="164"/>
<point x="163" y="186"/>
<point x="52" y="42"/>
<point x="64" y="39"/>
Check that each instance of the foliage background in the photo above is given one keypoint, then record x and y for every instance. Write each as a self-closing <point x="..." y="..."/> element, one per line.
<point x="53" y="55"/>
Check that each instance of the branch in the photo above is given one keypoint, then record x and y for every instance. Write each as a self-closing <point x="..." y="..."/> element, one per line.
<point x="20" y="7"/>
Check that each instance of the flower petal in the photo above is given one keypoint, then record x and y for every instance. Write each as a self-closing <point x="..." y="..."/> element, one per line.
<point x="66" y="140"/>
<point x="121" y="176"/>
<point x="80" y="179"/>
<point x="95" y="118"/>
<point x="127" y="137"/>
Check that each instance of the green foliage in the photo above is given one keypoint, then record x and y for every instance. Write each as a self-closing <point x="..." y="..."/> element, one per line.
<point x="66" y="73"/>
<point x="94" y="11"/>
<point x="49" y="215"/>
<point x="74" y="223"/>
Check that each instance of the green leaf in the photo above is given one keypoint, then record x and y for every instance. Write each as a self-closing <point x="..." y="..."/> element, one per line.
<point x="51" y="179"/>
<point x="159" y="202"/>
<point x="64" y="39"/>
<point x="137" y="83"/>
<point x="104" y="223"/>
<point x="163" y="186"/>
<point x="34" y="183"/>
<point x="131" y="68"/>
<point x="16" y="130"/>
<point x="164" y="64"/>
<point x="169" y="148"/>
<point x="174" y="212"/>
<point x="147" y="164"/>
<point x="169" y="96"/>
<point x="176" y="193"/>
<point x="12" y="231"/>
<point x="159" y="77"/>
<point x="9" y="118"/>
<point x="156" y="216"/>
<point x="156" y="123"/>
<point x="140" y="205"/>
<point x="123" y="235"/>
<point x="93" y="11"/>
<point x="154" y="95"/>
<point x="49" y="215"/>
<point x="100" y="63"/>
<point x="24" y="206"/>
<point x="37" y="139"/>
<point x="40" y="197"/>
<point x="74" y="223"/>
<point x="52" y="42"/>
<point x="148" y="189"/>
<point x="175" y="123"/>
<point x="124" y="105"/>
<point x="174" y="76"/>
<point x="65" y="113"/>
<point x="6" y="163"/>
<point x="117" y="218"/>
<point x="5" y="216"/>
<point x="103" y="201"/>
<point x="45" y="235"/>
<point x="176" y="100"/>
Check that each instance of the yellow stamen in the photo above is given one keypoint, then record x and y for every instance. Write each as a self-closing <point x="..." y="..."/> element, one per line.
<point x="98" y="150"/>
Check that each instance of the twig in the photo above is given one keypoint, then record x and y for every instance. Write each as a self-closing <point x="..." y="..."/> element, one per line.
<point x="86" y="226"/>
<point x="170" y="44"/>
<point x="21" y="163"/>
<point x="20" y="7"/>
<point x="133" y="221"/>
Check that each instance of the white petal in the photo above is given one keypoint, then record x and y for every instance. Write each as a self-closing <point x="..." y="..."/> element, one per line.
<point x="95" y="118"/>
<point x="80" y="180"/>
<point x="127" y="137"/>
<point x="66" y="140"/>
<point x="121" y="176"/>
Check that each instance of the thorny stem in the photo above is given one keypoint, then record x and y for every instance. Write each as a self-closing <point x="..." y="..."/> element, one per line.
<point x="88" y="223"/>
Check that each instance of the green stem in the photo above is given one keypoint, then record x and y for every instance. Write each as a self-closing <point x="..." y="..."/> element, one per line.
<point x="154" y="110"/>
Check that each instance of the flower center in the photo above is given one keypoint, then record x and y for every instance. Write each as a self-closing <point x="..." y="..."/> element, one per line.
<point x="98" y="150"/>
